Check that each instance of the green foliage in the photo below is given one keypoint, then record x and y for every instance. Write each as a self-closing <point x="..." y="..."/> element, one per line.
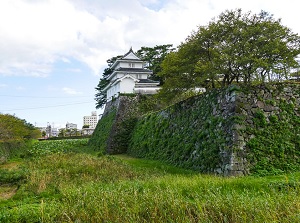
<point x="185" y="135"/>
<point x="100" y="96"/>
<point x="148" y="103"/>
<point x="16" y="176"/>
<point x="58" y="170"/>
<point x="15" y="135"/>
<point x="101" y="134"/>
<point x="234" y="47"/>
<point x="47" y="147"/>
<point x="62" y="133"/>
<point x="260" y="119"/>
<point x="11" y="149"/>
<point x="85" y="126"/>
<point x="67" y="137"/>
<point x="123" y="135"/>
<point x="13" y="128"/>
<point x="154" y="56"/>
<point x="178" y="73"/>
<point x="83" y="188"/>
<point x="276" y="146"/>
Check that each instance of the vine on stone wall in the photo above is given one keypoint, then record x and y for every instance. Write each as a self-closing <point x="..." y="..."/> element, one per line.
<point x="185" y="135"/>
<point x="98" y="140"/>
<point x="232" y="131"/>
<point x="275" y="147"/>
<point x="246" y="129"/>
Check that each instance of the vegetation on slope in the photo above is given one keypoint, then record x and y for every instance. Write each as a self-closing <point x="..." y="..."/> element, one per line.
<point x="15" y="135"/>
<point x="275" y="148"/>
<point x="80" y="187"/>
<point x="99" y="139"/>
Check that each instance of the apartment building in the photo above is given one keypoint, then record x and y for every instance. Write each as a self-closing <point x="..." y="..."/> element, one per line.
<point x="91" y="120"/>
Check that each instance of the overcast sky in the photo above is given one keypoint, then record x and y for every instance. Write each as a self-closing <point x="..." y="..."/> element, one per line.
<point x="53" y="52"/>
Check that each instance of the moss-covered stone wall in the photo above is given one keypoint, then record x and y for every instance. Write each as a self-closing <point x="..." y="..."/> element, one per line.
<point x="114" y="129"/>
<point x="232" y="131"/>
<point x="101" y="134"/>
<point x="195" y="133"/>
<point x="269" y="131"/>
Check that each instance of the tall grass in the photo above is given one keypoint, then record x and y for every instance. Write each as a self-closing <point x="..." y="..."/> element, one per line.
<point x="78" y="187"/>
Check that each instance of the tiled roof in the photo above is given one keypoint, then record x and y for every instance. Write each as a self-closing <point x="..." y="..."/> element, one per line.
<point x="147" y="81"/>
<point x="135" y="60"/>
<point x="133" y="69"/>
<point x="130" y="51"/>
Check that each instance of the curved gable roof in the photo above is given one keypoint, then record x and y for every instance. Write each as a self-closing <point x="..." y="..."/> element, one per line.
<point x="130" y="55"/>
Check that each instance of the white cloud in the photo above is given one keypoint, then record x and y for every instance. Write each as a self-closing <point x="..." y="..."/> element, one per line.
<point x="65" y="60"/>
<point x="71" y="91"/>
<point x="36" y="34"/>
<point x="3" y="85"/>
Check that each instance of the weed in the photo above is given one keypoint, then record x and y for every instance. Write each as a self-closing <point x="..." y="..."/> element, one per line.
<point x="78" y="187"/>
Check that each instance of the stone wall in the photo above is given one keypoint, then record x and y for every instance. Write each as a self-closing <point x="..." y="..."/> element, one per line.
<point x="127" y="110"/>
<point x="196" y="133"/>
<point x="113" y="130"/>
<point x="233" y="131"/>
<point x="267" y="133"/>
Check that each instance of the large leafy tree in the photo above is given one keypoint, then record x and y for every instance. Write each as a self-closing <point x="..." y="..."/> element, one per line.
<point x="15" y="129"/>
<point x="100" y="96"/>
<point x="234" y="47"/>
<point x="153" y="56"/>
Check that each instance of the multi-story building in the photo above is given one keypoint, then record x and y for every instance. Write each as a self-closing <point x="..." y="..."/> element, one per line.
<point x="54" y="132"/>
<point x="71" y="126"/>
<point x="91" y="121"/>
<point x="130" y="76"/>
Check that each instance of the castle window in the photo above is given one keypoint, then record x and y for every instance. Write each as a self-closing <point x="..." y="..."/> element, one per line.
<point x="131" y="64"/>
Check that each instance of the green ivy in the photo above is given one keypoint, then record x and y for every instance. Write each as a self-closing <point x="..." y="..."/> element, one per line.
<point x="100" y="136"/>
<point x="185" y="135"/>
<point x="275" y="148"/>
<point x="123" y="135"/>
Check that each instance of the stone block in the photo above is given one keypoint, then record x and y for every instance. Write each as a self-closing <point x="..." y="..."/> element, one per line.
<point x="260" y="104"/>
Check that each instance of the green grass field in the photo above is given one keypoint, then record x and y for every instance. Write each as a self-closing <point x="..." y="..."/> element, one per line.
<point x="75" y="185"/>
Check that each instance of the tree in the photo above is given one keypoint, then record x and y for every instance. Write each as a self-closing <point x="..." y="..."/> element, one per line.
<point x="68" y="132"/>
<point x="73" y="132"/>
<point x="62" y="132"/>
<point x="14" y="128"/>
<point x="179" y="73"/>
<point x="153" y="56"/>
<point x="235" y="47"/>
<point x="100" y="96"/>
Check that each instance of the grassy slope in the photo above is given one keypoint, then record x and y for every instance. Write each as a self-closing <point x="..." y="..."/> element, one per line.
<point x="80" y="187"/>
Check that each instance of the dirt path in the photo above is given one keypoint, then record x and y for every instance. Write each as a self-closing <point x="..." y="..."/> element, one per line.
<point x="7" y="192"/>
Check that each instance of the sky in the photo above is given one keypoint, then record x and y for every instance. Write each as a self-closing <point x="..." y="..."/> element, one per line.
<point x="53" y="52"/>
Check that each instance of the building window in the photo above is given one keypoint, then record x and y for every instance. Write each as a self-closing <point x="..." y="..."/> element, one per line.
<point x="131" y="64"/>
